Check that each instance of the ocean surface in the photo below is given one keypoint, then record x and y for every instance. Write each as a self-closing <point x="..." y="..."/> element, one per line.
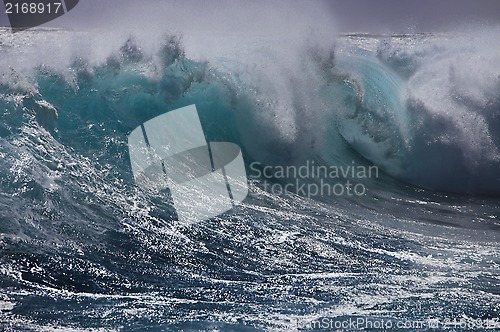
<point x="82" y="248"/>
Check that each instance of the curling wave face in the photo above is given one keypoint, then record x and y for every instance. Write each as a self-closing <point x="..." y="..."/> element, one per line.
<point x="429" y="117"/>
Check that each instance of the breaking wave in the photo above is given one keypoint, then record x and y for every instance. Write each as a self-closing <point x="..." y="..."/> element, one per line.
<point x="76" y="230"/>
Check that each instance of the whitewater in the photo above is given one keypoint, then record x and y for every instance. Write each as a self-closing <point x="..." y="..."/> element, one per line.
<point x="83" y="248"/>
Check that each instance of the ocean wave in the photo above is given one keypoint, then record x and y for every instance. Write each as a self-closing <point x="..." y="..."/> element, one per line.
<point x="76" y="232"/>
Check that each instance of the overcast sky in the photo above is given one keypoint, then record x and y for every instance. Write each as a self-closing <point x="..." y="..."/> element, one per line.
<point x="413" y="15"/>
<point x="348" y="15"/>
